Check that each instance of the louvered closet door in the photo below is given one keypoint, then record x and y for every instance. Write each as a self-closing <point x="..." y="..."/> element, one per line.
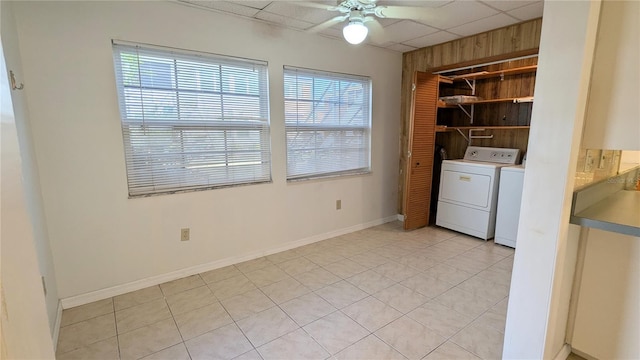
<point x="417" y="195"/>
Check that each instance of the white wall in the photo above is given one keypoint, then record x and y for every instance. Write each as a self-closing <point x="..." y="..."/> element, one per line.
<point x="629" y="159"/>
<point x="607" y="324"/>
<point x="561" y="292"/>
<point x="24" y="326"/>
<point x="613" y="115"/>
<point x="566" y="51"/>
<point x="99" y="237"/>
<point x="30" y="176"/>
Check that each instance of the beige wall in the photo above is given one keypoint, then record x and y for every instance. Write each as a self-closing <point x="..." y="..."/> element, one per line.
<point x="629" y="159"/>
<point x="25" y="328"/>
<point x="607" y="323"/>
<point x="613" y="116"/>
<point x="99" y="237"/>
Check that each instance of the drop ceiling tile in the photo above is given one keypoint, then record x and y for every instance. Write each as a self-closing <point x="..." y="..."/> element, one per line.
<point x="406" y="30"/>
<point x="506" y="5"/>
<point x="458" y="13"/>
<point x="332" y="32"/>
<point x="226" y="6"/>
<point x="283" y="20"/>
<point x="432" y="39"/>
<point x="482" y="25"/>
<point x="400" y="47"/>
<point x="302" y="13"/>
<point x="254" y="3"/>
<point x="420" y="3"/>
<point x="387" y="22"/>
<point x="528" y="12"/>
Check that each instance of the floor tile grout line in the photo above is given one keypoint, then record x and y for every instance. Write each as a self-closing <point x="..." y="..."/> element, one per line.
<point x="371" y="296"/>
<point x="115" y="321"/>
<point x="145" y="325"/>
<point x="450" y="338"/>
<point x="142" y="303"/>
<point x="327" y="350"/>
<point x="141" y="327"/>
<point x="389" y="345"/>
<point x="97" y="341"/>
<point x="90" y="318"/>
<point x="331" y="248"/>
<point x="254" y="345"/>
<point x="241" y="331"/>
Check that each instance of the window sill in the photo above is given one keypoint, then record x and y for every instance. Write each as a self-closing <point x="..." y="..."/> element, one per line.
<point x="182" y="191"/>
<point x="329" y="176"/>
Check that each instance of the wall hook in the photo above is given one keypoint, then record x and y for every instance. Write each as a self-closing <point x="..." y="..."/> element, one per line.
<point x="13" y="82"/>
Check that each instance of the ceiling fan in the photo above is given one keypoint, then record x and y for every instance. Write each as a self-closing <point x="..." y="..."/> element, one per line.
<point x="362" y="16"/>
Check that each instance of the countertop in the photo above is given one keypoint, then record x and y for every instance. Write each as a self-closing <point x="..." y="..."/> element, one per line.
<point x="619" y="212"/>
<point x="610" y="204"/>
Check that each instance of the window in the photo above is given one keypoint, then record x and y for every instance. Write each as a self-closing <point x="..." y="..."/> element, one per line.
<point x="328" y="123"/>
<point x="191" y="121"/>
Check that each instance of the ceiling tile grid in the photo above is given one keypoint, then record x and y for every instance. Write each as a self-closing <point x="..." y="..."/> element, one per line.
<point x="444" y="20"/>
<point x="488" y="23"/>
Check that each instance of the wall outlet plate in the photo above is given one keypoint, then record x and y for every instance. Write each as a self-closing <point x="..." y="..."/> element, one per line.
<point x="184" y="234"/>
<point x="338" y="204"/>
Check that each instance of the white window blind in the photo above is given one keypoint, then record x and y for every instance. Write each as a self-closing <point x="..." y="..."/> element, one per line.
<point x="191" y="120"/>
<point x="328" y="123"/>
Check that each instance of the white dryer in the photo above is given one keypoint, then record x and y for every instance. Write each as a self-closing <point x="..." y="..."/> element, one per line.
<point x="469" y="190"/>
<point x="509" y="201"/>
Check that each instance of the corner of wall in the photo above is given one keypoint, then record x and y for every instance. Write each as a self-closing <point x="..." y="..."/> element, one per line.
<point x="30" y="172"/>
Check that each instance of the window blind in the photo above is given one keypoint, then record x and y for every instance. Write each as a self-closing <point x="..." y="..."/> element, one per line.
<point x="327" y="123"/>
<point x="191" y="120"/>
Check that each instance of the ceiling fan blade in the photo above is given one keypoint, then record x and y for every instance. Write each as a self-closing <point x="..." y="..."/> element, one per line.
<point x="376" y="31"/>
<point x="327" y="24"/>
<point x="404" y="12"/>
<point x="315" y="5"/>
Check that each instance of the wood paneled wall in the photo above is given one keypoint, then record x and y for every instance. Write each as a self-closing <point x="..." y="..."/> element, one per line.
<point x="510" y="39"/>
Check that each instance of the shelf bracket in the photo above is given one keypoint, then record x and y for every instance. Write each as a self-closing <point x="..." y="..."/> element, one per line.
<point x="472" y="85"/>
<point x="465" y="111"/>
<point x="463" y="135"/>
<point x="468" y="113"/>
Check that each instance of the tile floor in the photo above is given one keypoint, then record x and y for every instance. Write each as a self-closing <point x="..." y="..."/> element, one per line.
<point x="379" y="293"/>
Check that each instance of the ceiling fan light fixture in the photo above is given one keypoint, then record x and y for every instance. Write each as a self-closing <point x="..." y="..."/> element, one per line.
<point x="355" y="32"/>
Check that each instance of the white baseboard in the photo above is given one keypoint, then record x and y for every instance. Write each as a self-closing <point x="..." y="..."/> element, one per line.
<point x="56" y="326"/>
<point x="400" y="217"/>
<point x="563" y="353"/>
<point x="106" y="293"/>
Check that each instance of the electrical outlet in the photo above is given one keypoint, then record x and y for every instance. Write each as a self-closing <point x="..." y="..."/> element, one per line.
<point x="184" y="234"/>
<point x="338" y="204"/>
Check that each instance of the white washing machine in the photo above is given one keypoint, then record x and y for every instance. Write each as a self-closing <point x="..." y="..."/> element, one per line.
<point x="509" y="200"/>
<point x="469" y="190"/>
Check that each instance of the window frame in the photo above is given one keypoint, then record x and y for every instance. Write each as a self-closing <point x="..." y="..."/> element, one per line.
<point x="366" y="128"/>
<point x="190" y="171"/>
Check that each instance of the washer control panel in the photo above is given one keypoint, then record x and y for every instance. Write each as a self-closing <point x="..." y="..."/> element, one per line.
<point x="493" y="155"/>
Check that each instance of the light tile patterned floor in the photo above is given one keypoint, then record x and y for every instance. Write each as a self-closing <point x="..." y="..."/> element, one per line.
<point x="379" y="293"/>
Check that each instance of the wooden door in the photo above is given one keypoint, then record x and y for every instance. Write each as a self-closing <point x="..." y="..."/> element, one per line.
<point x="421" y="147"/>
